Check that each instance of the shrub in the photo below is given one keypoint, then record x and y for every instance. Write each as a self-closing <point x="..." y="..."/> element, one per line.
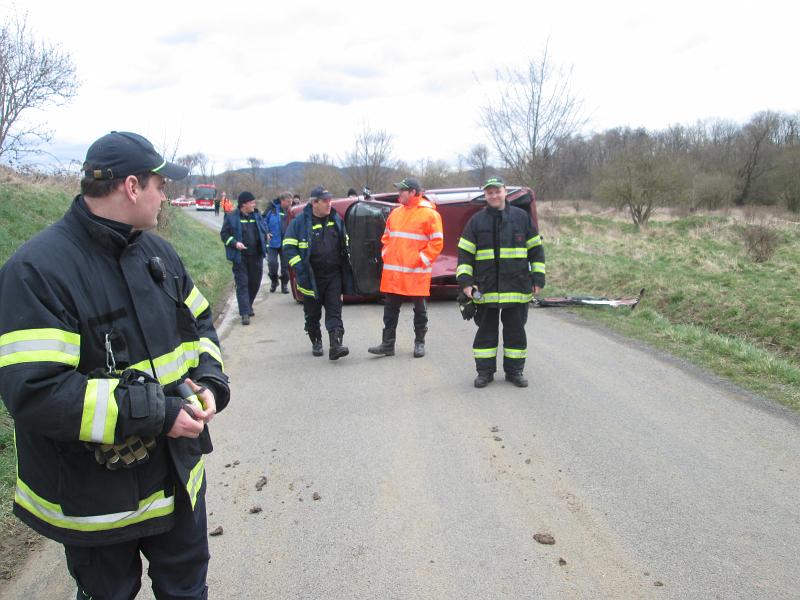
<point x="760" y="242"/>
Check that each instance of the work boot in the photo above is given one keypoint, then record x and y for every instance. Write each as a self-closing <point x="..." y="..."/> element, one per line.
<point x="337" y="351"/>
<point x="252" y="313"/>
<point x="316" y="343"/>
<point x="273" y="286"/>
<point x="245" y="319"/>
<point x="518" y="379"/>
<point x="284" y="288"/>
<point x="386" y="347"/>
<point x="483" y="379"/>
<point x="419" y="342"/>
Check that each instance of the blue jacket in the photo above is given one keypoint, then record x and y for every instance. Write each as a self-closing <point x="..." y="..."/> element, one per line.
<point x="273" y="220"/>
<point x="231" y="233"/>
<point x="297" y="248"/>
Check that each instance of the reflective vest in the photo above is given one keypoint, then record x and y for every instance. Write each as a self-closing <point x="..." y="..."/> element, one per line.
<point x="501" y="252"/>
<point x="412" y="240"/>
<point x="74" y="296"/>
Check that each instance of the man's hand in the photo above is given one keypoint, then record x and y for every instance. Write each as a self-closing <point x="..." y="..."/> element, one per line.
<point x="185" y="426"/>
<point x="536" y="290"/>
<point x="468" y="291"/>
<point x="269" y="237"/>
<point x="240" y="246"/>
<point x="206" y="396"/>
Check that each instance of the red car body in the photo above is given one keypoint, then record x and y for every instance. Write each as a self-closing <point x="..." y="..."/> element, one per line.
<point x="365" y="221"/>
<point x="204" y="196"/>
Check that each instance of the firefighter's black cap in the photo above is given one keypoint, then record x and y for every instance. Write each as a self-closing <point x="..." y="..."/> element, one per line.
<point x="122" y="153"/>
<point x="409" y="183"/>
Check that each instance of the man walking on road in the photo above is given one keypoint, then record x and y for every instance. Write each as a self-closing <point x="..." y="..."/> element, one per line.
<point x="500" y="255"/>
<point x="411" y="242"/>
<point x="245" y="246"/>
<point x="99" y="325"/>
<point x="276" y="223"/>
<point x="316" y="248"/>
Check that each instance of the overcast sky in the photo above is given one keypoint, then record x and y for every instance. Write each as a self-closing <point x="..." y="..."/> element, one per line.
<point x="280" y="81"/>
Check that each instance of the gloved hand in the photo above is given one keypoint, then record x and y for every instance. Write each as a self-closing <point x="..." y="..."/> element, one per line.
<point x="129" y="454"/>
<point x="190" y="398"/>
<point x="466" y="306"/>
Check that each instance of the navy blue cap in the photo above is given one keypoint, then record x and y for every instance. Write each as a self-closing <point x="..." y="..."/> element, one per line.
<point x="122" y="153"/>
<point x="320" y="193"/>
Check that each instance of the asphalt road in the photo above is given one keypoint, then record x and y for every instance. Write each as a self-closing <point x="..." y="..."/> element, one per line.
<point x="643" y="470"/>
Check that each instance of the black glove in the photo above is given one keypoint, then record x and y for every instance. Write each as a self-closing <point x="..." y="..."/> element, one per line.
<point x="466" y="306"/>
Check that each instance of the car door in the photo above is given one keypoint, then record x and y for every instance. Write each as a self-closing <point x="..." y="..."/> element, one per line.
<point x="365" y="222"/>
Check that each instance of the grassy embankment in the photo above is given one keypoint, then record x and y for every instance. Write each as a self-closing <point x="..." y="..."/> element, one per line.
<point x="25" y="209"/>
<point x="706" y="300"/>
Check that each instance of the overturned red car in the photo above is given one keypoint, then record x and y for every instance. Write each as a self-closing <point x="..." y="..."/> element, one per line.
<point x="365" y="220"/>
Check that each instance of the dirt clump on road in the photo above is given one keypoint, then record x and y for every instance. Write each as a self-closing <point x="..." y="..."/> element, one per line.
<point x="216" y="531"/>
<point x="544" y="538"/>
<point x="261" y="482"/>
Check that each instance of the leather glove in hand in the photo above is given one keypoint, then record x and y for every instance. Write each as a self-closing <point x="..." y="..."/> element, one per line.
<point x="131" y="453"/>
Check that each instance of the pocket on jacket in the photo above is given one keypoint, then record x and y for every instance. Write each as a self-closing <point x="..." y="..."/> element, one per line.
<point x="87" y="488"/>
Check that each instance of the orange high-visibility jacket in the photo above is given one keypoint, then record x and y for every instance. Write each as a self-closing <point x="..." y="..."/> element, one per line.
<point x="411" y="242"/>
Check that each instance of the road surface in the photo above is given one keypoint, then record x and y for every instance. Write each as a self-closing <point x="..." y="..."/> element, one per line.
<point x="655" y="480"/>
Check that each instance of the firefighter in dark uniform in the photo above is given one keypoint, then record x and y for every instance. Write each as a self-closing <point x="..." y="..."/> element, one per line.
<point x="500" y="265"/>
<point x="316" y="247"/>
<point x="245" y="246"/>
<point x="111" y="369"/>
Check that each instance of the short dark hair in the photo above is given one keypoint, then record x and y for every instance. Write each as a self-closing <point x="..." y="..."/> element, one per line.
<point x="100" y="188"/>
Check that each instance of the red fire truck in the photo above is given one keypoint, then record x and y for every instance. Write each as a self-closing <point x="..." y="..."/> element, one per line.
<point x="204" y="196"/>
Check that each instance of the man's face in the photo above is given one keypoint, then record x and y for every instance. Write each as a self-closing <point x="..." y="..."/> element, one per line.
<point x="285" y="203"/>
<point x="148" y="202"/>
<point x="404" y="196"/>
<point x="321" y="208"/>
<point x="496" y="197"/>
<point x="248" y="207"/>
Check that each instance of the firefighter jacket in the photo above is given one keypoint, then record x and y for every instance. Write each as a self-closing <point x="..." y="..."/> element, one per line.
<point x="274" y="223"/>
<point x="297" y="248"/>
<point x="501" y="252"/>
<point x="412" y="240"/>
<point x="82" y="303"/>
<point x="231" y="233"/>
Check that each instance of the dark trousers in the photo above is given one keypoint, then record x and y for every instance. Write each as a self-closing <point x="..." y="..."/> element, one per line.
<point x="515" y="342"/>
<point x="273" y="254"/>
<point x="391" y="311"/>
<point x="178" y="561"/>
<point x="247" y="277"/>
<point x="329" y="291"/>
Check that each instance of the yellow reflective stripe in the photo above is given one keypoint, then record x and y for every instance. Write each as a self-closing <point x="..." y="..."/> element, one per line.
<point x="294" y="260"/>
<point x="537" y="267"/>
<point x="229" y="240"/>
<point x="533" y="242"/>
<point x="484" y="352"/>
<point x="485" y="254"/>
<point x="331" y="223"/>
<point x="100" y="410"/>
<point x="40" y="345"/>
<point x="209" y="347"/>
<point x="515" y="352"/>
<point x="467" y="246"/>
<point x="195" y="482"/>
<point x="305" y="291"/>
<point x="156" y="505"/>
<point x="290" y="241"/>
<point x="513" y="253"/>
<point x="196" y="302"/>
<point x="303" y="244"/>
<point x="247" y="221"/>
<point x="318" y="226"/>
<point x="507" y="297"/>
<point x="172" y="365"/>
<point x="464" y="270"/>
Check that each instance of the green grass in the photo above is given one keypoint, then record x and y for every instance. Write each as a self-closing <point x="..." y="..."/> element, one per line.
<point x="28" y="208"/>
<point x="706" y="300"/>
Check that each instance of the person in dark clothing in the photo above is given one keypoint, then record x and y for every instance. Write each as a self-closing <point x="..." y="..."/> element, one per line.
<point x="500" y="255"/>
<point x="276" y="222"/>
<point x="316" y="248"/>
<point x="245" y="246"/>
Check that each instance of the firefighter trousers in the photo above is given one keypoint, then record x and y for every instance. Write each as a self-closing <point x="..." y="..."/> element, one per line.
<point x="178" y="560"/>
<point x="247" y="275"/>
<point x="329" y="290"/>
<point x="515" y="343"/>
<point x="273" y="256"/>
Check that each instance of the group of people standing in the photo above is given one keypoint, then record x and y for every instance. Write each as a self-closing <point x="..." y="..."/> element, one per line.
<point x="500" y="267"/>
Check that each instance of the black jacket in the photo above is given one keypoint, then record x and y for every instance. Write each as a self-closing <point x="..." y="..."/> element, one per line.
<point x="231" y="233"/>
<point x="501" y="252"/>
<point x="67" y="293"/>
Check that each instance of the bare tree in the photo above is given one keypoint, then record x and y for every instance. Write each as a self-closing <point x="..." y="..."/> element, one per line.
<point x="202" y="165"/>
<point x="531" y="109"/>
<point x="190" y="161"/>
<point x="371" y="159"/>
<point x="33" y="75"/>
<point x="755" y="145"/>
<point x="478" y="161"/>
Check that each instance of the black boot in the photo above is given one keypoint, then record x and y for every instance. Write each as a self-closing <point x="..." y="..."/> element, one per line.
<point x="386" y="347"/>
<point x="316" y="342"/>
<point x="284" y="287"/>
<point x="517" y="378"/>
<point x="337" y="351"/>
<point x="483" y="379"/>
<point x="273" y="286"/>
<point x="419" y="342"/>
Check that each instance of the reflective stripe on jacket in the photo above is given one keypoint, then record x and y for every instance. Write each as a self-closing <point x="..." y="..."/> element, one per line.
<point x="231" y="233"/>
<point x="501" y="252"/>
<point x="68" y="292"/>
<point x="411" y="242"/>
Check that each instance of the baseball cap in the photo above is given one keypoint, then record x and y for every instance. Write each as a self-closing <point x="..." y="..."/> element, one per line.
<point x="122" y="153"/>
<point x="409" y="183"/>
<point x="320" y="193"/>
<point x="493" y="182"/>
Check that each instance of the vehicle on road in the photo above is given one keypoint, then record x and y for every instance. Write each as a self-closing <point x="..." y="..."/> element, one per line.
<point x="366" y="219"/>
<point x="204" y="196"/>
<point x="182" y="201"/>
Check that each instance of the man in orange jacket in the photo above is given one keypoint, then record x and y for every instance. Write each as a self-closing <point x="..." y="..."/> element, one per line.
<point x="411" y="242"/>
